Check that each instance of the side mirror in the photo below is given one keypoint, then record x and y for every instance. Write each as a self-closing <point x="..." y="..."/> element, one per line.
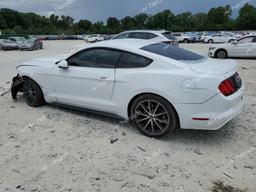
<point x="234" y="42"/>
<point x="63" y="64"/>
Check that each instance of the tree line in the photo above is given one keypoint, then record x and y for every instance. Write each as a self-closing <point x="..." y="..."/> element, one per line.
<point x="218" y="18"/>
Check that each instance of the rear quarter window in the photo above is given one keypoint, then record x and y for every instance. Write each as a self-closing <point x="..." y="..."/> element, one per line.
<point x="172" y="52"/>
<point x="130" y="60"/>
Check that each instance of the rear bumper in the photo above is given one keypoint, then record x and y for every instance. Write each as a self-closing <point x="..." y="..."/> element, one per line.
<point x="219" y="110"/>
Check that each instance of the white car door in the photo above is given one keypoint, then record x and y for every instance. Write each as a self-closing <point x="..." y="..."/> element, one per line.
<point x="251" y="51"/>
<point x="217" y="38"/>
<point x="244" y="47"/>
<point x="223" y="39"/>
<point x="88" y="81"/>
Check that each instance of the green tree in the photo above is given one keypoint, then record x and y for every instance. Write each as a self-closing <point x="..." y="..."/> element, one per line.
<point x="218" y="18"/>
<point x="113" y="25"/>
<point x="3" y="24"/>
<point x="201" y="21"/>
<point x="140" y="20"/>
<point x="85" y="24"/>
<point x="246" y="18"/>
<point x="162" y="20"/>
<point x="184" y="22"/>
<point x="128" y="23"/>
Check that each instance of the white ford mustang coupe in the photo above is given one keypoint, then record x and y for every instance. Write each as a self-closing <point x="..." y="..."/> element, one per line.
<point x="157" y="86"/>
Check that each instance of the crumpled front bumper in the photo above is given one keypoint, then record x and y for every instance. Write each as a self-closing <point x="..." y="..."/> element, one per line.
<point x="17" y="86"/>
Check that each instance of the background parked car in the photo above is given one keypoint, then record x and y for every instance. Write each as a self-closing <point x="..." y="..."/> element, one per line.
<point x="17" y="40"/>
<point x="194" y="36"/>
<point x="31" y="44"/>
<point x="94" y="38"/>
<point x="107" y="37"/>
<point x="244" y="47"/>
<point x="1" y="40"/>
<point x="158" y="36"/>
<point x="206" y="34"/>
<point x="9" y="45"/>
<point x="182" y="37"/>
<point x="218" y="38"/>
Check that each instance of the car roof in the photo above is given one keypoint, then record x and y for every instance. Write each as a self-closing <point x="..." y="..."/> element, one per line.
<point x="123" y="44"/>
<point x="145" y="31"/>
<point x="248" y="36"/>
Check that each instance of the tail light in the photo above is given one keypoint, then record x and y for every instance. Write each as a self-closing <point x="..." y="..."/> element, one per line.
<point x="230" y="85"/>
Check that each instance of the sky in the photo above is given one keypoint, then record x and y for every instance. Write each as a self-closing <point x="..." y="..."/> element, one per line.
<point x="100" y="10"/>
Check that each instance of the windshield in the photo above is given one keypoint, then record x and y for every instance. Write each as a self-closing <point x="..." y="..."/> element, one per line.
<point x="29" y="41"/>
<point x="18" y="39"/>
<point x="172" y="52"/>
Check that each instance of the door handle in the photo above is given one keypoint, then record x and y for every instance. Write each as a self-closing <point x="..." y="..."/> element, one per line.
<point x="103" y="78"/>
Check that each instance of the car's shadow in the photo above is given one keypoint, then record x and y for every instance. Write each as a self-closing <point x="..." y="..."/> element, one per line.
<point x="185" y="136"/>
<point x="204" y="137"/>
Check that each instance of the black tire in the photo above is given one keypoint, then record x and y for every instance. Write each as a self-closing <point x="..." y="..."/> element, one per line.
<point x="185" y="41"/>
<point x="210" y="41"/>
<point x="155" y="121"/>
<point x="221" y="54"/>
<point x="32" y="93"/>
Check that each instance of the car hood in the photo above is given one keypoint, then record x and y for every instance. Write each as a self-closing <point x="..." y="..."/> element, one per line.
<point x="44" y="62"/>
<point x="213" y="66"/>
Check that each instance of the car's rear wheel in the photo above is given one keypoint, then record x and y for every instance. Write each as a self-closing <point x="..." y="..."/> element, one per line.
<point x="32" y="93"/>
<point x="210" y="41"/>
<point x="221" y="54"/>
<point x="153" y="115"/>
<point x="185" y="41"/>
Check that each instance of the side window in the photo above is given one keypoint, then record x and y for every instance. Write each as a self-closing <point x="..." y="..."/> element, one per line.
<point x="129" y="60"/>
<point x="96" y="58"/>
<point x="122" y="36"/>
<point x="135" y="35"/>
<point x="149" y="35"/>
<point x="246" y="40"/>
<point x="141" y="35"/>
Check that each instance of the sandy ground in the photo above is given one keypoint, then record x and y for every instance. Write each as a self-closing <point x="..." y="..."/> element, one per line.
<point x="52" y="149"/>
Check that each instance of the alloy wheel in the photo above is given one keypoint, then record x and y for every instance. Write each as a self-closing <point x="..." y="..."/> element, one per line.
<point x="221" y="54"/>
<point x="152" y="117"/>
<point x="29" y="92"/>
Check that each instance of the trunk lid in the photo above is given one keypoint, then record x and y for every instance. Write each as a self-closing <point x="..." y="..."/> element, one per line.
<point x="213" y="66"/>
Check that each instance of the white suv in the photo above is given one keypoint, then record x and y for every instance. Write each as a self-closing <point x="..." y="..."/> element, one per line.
<point x="157" y="36"/>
